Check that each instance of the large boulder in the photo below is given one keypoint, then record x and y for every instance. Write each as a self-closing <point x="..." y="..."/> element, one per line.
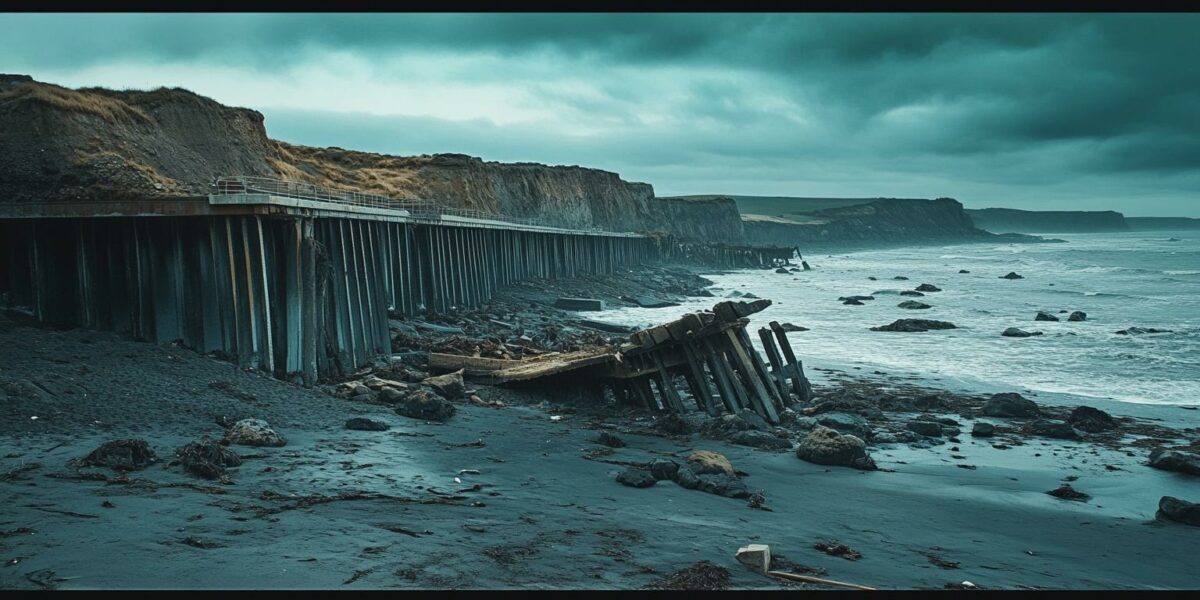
<point x="1019" y="333"/>
<point x="253" y="432"/>
<point x="925" y="287"/>
<point x="1078" y="315"/>
<point x="207" y="459"/>
<point x="1010" y="405"/>
<point x="983" y="429"/>
<point x="451" y="385"/>
<point x="1091" y="420"/>
<point x="709" y="462"/>
<point x="1175" y="460"/>
<point x="121" y="455"/>
<point x="1053" y="428"/>
<point x="1141" y="330"/>
<point x="925" y="428"/>
<point x="1011" y="275"/>
<point x="364" y="424"/>
<point x="912" y="325"/>
<point x="636" y="478"/>
<point x="825" y="446"/>
<point x="1044" y="316"/>
<point x="913" y="293"/>
<point x="662" y="468"/>
<point x="421" y="404"/>
<point x="913" y="305"/>
<point x="1180" y="511"/>
<point x="722" y="484"/>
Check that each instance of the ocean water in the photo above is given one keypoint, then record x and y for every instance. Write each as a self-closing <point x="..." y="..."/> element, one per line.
<point x="1143" y="279"/>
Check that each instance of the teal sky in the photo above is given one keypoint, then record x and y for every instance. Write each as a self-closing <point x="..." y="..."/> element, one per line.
<point x="1083" y="112"/>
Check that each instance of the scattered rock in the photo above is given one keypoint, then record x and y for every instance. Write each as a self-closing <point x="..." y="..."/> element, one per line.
<point x="963" y="271"/>
<point x="753" y="420"/>
<point x="1054" y="429"/>
<point x="1011" y="275"/>
<point x="363" y="424"/>
<point x="790" y="327"/>
<point x="825" y="446"/>
<point x="121" y="455"/>
<point x="636" y="478"/>
<point x="853" y="302"/>
<point x="390" y="395"/>
<point x="1066" y="492"/>
<point x="1181" y="511"/>
<point x="1141" y="330"/>
<point x="1010" y="405"/>
<point x="607" y="439"/>
<point x="664" y="469"/>
<point x="760" y="439"/>
<point x="1091" y="420"/>
<point x="914" y="325"/>
<point x="846" y="423"/>
<point x="722" y="484"/>
<point x="253" y="432"/>
<point x="925" y="428"/>
<point x="911" y="293"/>
<point x="707" y="461"/>
<point x="421" y="404"/>
<point x="701" y="576"/>
<point x="1175" y="460"/>
<point x="755" y="556"/>
<point x="848" y="298"/>
<point x="673" y="423"/>
<point x="833" y="548"/>
<point x="1045" y="316"/>
<point x="207" y="459"/>
<point x="981" y="429"/>
<point x="686" y="478"/>
<point x="900" y="278"/>
<point x="1019" y="333"/>
<point x="925" y="287"/>
<point x="1078" y="315"/>
<point x="451" y="385"/>
<point x="913" y="305"/>
<point x="782" y="271"/>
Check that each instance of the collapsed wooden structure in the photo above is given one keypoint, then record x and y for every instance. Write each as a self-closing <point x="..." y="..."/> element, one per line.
<point x="711" y="351"/>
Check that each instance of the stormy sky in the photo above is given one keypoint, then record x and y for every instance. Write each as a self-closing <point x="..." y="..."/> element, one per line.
<point x="1081" y="111"/>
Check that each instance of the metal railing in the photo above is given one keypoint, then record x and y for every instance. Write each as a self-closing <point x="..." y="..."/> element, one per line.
<point x="420" y="209"/>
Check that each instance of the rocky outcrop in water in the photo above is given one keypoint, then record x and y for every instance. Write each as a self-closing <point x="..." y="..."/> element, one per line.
<point x="1006" y="220"/>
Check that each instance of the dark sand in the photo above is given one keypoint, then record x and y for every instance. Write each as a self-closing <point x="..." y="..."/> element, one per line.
<point x="542" y="516"/>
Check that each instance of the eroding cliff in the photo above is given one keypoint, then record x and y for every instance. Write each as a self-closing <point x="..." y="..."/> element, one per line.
<point x="59" y="144"/>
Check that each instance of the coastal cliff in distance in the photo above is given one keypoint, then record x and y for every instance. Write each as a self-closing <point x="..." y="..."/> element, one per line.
<point x="1162" y="223"/>
<point x="60" y="144"/>
<point x="1009" y="220"/>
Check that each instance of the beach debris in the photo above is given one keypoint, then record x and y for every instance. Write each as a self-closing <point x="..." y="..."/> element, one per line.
<point x="1017" y="332"/>
<point x="1091" y="420"/>
<point x="913" y="305"/>
<point x="421" y="404"/>
<point x="940" y="562"/>
<point x="982" y="429"/>
<point x="636" y="478"/>
<point x="1141" y="330"/>
<point x="120" y="455"/>
<point x="1175" y="460"/>
<point x="835" y="548"/>
<point x="702" y="575"/>
<point x="607" y="439"/>
<point x="1054" y="428"/>
<point x="1078" y="315"/>
<point x="651" y="301"/>
<point x="206" y="458"/>
<point x="926" y="287"/>
<point x="450" y="386"/>
<point x="1181" y="511"/>
<point x="1066" y="492"/>
<point x="914" y="325"/>
<point x="253" y="432"/>
<point x="825" y="446"/>
<point x="755" y="556"/>
<point x="819" y="581"/>
<point x="556" y="418"/>
<point x="1011" y="275"/>
<point x="364" y="424"/>
<point x="1010" y="405"/>
<point x="709" y="462"/>
<point x="965" y="585"/>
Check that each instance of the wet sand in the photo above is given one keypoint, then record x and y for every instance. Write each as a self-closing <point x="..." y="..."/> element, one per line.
<point x="539" y="513"/>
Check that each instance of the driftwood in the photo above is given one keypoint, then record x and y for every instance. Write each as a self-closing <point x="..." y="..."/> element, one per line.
<point x="809" y="579"/>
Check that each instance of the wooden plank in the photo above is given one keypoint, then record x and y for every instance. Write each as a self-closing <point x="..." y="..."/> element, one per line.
<point x="761" y="369"/>
<point x="768" y="342"/>
<point x="799" y="381"/>
<point x="667" y="384"/>
<point x="699" y="381"/>
<point x="759" y="397"/>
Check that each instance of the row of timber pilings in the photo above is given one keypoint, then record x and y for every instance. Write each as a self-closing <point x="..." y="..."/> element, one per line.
<point x="674" y="250"/>
<point x="302" y="298"/>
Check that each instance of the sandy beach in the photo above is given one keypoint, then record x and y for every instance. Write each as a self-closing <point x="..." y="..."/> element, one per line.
<point x="522" y="496"/>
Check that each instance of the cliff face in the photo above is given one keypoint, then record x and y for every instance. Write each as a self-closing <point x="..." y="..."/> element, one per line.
<point x="63" y="144"/>
<point x="880" y="222"/>
<point x="1162" y="223"/>
<point x="1006" y="220"/>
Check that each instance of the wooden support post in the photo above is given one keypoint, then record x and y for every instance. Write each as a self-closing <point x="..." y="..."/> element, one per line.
<point x="666" y="385"/>
<point x="759" y="397"/>
<point x="699" y="382"/>
<point x="777" y="368"/>
<point x="733" y="393"/>
<point x="799" y="381"/>
<point x="761" y="369"/>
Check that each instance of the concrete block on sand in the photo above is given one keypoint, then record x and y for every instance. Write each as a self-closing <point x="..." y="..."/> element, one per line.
<point x="579" y="304"/>
<point x="755" y="556"/>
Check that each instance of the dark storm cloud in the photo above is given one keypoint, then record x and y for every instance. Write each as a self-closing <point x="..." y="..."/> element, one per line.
<point x="969" y="104"/>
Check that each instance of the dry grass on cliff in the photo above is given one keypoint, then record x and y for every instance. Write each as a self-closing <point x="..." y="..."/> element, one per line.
<point x="391" y="176"/>
<point x="109" y="108"/>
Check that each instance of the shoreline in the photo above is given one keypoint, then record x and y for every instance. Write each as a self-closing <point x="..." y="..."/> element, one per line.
<point x="544" y="511"/>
